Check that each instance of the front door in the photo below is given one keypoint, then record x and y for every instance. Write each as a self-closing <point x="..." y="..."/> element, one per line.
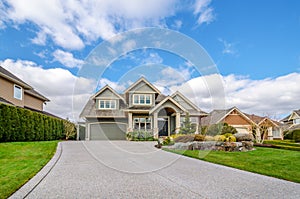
<point x="163" y="127"/>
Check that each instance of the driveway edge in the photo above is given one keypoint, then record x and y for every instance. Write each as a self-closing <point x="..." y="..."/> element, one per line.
<point x="28" y="187"/>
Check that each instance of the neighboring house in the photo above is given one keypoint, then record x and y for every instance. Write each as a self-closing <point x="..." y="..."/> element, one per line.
<point x="233" y="116"/>
<point x="14" y="91"/>
<point x="292" y="121"/>
<point x="245" y="123"/>
<point x="273" y="129"/>
<point x="142" y="107"/>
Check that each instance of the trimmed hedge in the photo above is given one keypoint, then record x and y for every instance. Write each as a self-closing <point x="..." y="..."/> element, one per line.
<point x="18" y="124"/>
<point x="293" y="135"/>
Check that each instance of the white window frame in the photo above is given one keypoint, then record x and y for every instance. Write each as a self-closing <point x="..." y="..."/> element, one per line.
<point x="107" y="104"/>
<point x="21" y="92"/>
<point x="139" y="97"/>
<point x="147" y="120"/>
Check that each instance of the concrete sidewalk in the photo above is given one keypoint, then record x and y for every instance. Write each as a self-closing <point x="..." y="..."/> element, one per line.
<point x="121" y="169"/>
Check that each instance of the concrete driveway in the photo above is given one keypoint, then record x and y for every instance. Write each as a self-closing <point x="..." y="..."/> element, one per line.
<point x="121" y="169"/>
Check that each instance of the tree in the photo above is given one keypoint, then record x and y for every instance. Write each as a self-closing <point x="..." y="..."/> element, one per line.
<point x="187" y="127"/>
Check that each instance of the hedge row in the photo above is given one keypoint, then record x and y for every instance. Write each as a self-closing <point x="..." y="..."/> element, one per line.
<point x="293" y="135"/>
<point x="18" y="124"/>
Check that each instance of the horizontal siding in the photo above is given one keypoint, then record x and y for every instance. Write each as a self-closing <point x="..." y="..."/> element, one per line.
<point x="7" y="92"/>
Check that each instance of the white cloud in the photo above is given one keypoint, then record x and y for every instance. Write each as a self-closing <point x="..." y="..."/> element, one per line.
<point x="59" y="85"/>
<point x="271" y="96"/>
<point x="203" y="11"/>
<point x="67" y="59"/>
<point x="71" y="24"/>
<point x="228" y="48"/>
<point x="114" y="85"/>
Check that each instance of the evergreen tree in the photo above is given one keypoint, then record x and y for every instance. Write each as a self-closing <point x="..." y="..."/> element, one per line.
<point x="187" y="127"/>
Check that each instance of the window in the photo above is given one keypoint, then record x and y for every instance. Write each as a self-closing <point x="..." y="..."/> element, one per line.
<point x="17" y="92"/>
<point x="142" y="123"/>
<point x="142" y="99"/>
<point x="297" y="121"/>
<point x="107" y="104"/>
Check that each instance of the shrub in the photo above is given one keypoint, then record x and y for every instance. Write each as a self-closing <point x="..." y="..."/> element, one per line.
<point x="288" y="135"/>
<point x="184" y="138"/>
<point x="219" y="129"/>
<point x="168" y="141"/>
<point x="220" y="138"/>
<point x="227" y="135"/>
<point x="209" y="138"/>
<point x="296" y="135"/>
<point x="199" y="137"/>
<point x="140" y="136"/>
<point x="227" y="129"/>
<point x="243" y="137"/>
<point x="231" y="139"/>
<point x="19" y="124"/>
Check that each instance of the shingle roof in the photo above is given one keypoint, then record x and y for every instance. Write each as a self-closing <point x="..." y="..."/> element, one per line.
<point x="5" y="73"/>
<point x="36" y="94"/>
<point x="27" y="88"/>
<point x="214" y="117"/>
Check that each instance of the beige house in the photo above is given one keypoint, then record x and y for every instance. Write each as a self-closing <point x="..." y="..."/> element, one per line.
<point x="14" y="91"/>
<point x="141" y="107"/>
<point x="269" y="129"/>
<point x="292" y="121"/>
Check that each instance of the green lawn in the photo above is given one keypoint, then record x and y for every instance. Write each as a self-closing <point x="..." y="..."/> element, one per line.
<point x="20" y="161"/>
<point x="279" y="163"/>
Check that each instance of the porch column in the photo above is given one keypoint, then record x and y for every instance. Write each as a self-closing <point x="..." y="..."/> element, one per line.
<point x="177" y="122"/>
<point x="129" y="129"/>
<point x="270" y="133"/>
<point x="155" y="125"/>
<point x="258" y="136"/>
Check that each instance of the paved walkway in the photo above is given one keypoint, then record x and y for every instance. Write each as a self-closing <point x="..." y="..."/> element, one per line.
<point x="120" y="169"/>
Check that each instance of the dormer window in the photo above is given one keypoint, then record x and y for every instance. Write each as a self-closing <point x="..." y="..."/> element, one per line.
<point x="18" y="92"/>
<point x="107" y="104"/>
<point x="142" y="99"/>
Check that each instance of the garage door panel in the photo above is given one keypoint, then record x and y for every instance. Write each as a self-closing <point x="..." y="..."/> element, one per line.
<point x="108" y="131"/>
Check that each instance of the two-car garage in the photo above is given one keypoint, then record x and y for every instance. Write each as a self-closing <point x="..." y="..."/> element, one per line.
<point x="106" y="131"/>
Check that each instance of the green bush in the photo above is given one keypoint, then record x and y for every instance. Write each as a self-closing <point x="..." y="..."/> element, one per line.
<point x="220" y="138"/>
<point x="231" y="139"/>
<point x="140" y="136"/>
<point x="296" y="135"/>
<point x="219" y="129"/>
<point x="19" y="124"/>
<point x="292" y="135"/>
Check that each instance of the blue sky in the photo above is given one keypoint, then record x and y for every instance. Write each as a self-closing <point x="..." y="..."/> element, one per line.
<point x="255" y="44"/>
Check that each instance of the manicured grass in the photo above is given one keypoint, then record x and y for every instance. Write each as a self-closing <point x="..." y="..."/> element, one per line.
<point x="20" y="161"/>
<point x="279" y="163"/>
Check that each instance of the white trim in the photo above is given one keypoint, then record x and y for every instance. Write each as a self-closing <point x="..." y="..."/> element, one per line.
<point x="139" y="99"/>
<point x="164" y="101"/>
<point x="142" y="116"/>
<point x="105" y="103"/>
<point x="19" y="87"/>
<point x="241" y="113"/>
<point x="109" y="88"/>
<point x="139" y="81"/>
<point x="186" y="99"/>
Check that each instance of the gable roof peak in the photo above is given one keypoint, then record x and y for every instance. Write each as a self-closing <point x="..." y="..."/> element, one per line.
<point x="142" y="79"/>
<point x="109" y="88"/>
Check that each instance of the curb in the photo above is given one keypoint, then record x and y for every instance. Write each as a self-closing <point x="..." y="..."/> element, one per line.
<point x="28" y="187"/>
